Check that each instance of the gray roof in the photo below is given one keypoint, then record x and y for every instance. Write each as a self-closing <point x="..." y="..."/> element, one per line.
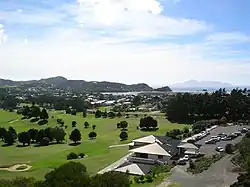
<point x="145" y="168"/>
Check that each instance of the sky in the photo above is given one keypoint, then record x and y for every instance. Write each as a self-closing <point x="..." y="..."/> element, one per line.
<point x="158" y="42"/>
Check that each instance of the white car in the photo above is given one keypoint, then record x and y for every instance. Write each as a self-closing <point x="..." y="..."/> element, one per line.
<point x="219" y="149"/>
<point x="186" y="158"/>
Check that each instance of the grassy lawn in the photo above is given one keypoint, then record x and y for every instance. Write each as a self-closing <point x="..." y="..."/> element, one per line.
<point x="98" y="155"/>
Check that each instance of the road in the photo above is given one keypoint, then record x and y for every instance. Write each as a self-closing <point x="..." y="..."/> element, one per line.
<point x="218" y="175"/>
<point x="115" y="164"/>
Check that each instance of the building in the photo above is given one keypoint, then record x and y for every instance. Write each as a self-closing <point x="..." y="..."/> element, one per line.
<point x="152" y="150"/>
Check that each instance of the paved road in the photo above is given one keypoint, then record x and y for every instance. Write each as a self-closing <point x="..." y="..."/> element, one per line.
<point x="115" y="164"/>
<point x="218" y="175"/>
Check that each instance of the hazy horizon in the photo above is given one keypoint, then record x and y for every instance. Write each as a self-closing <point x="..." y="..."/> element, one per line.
<point x="158" y="42"/>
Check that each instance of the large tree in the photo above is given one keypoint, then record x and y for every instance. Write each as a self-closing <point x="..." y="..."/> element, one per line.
<point x="71" y="174"/>
<point x="59" y="134"/>
<point x="8" y="138"/>
<point x="24" y="138"/>
<point x="75" y="136"/>
<point x="148" y="123"/>
<point x="2" y="132"/>
<point x="33" y="134"/>
<point x="44" y="114"/>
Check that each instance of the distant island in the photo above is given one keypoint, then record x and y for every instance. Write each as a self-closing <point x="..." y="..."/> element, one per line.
<point x="79" y="85"/>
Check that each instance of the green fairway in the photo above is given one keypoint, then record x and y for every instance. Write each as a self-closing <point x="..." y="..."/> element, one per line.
<point x="98" y="155"/>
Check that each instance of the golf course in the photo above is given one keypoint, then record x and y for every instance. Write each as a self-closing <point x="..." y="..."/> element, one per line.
<point x="98" y="155"/>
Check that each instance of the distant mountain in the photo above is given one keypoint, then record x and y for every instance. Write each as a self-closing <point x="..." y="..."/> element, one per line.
<point x="77" y="85"/>
<point x="201" y="84"/>
<point x="163" y="89"/>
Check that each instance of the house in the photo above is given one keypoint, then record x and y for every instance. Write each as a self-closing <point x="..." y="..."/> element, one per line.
<point x="153" y="150"/>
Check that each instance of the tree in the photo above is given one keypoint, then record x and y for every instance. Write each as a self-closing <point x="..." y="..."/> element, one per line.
<point x="71" y="174"/>
<point x="40" y="135"/>
<point x="49" y="133"/>
<point x="148" y="123"/>
<point x="8" y="138"/>
<point x="92" y="135"/>
<point x="24" y="137"/>
<point x="44" y="114"/>
<point x="44" y="141"/>
<point x="123" y="135"/>
<point x="13" y="132"/>
<point x="103" y="180"/>
<point x="185" y="130"/>
<point x="84" y="114"/>
<point x="26" y="111"/>
<point x="111" y="114"/>
<point x="59" y="134"/>
<point x="137" y="100"/>
<point x="104" y="114"/>
<point x="119" y="114"/>
<point x="2" y="132"/>
<point x="75" y="136"/>
<point x="98" y="114"/>
<point x="118" y="125"/>
<point x="123" y="124"/>
<point x="35" y="111"/>
<point x="33" y="134"/>
<point x="93" y="127"/>
<point x="229" y="149"/>
<point x="71" y="156"/>
<point x="68" y="110"/>
<point x="73" y="124"/>
<point x="60" y="121"/>
<point x="86" y="124"/>
<point x="73" y="112"/>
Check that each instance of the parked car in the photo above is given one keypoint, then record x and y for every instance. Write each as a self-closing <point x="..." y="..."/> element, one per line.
<point x="238" y="133"/>
<point x="186" y="158"/>
<point x="182" y="162"/>
<point x="244" y="130"/>
<point x="210" y="141"/>
<point x="219" y="149"/>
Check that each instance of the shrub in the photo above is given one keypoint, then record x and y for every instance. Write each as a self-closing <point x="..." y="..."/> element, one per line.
<point x="72" y="156"/>
<point x="81" y="155"/>
<point x="92" y="135"/>
<point x="43" y="122"/>
<point x="124" y="135"/>
<point x="149" y="178"/>
<point x="137" y="179"/>
<point x="229" y="149"/>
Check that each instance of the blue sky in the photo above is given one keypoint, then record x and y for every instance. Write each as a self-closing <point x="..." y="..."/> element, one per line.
<point x="154" y="41"/>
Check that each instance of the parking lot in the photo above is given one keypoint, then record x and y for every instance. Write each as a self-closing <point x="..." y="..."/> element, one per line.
<point x="209" y="149"/>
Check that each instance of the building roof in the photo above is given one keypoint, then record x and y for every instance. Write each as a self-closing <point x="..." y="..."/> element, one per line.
<point x="154" y="149"/>
<point x="171" y="146"/>
<point x="188" y="146"/>
<point x="134" y="168"/>
<point x="147" y="139"/>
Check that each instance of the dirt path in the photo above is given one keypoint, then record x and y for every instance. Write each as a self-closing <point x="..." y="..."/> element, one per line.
<point x="119" y="145"/>
<point x="14" y="168"/>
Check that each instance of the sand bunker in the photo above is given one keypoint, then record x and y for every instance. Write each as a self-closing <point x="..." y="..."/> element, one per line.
<point x="17" y="167"/>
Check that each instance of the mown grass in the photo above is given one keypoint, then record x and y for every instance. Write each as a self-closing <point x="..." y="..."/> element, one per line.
<point x="98" y="155"/>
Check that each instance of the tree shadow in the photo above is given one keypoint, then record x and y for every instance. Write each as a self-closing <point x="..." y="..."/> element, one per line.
<point x="24" y="117"/>
<point x="75" y="144"/>
<point x="149" y="129"/>
<point x="7" y="145"/>
<point x="34" y="120"/>
<point x="22" y="146"/>
<point x="43" y="122"/>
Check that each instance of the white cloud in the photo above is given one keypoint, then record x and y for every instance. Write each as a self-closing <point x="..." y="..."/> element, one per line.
<point x="230" y="37"/>
<point x="134" y="19"/>
<point x="130" y="62"/>
<point x="3" y="36"/>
